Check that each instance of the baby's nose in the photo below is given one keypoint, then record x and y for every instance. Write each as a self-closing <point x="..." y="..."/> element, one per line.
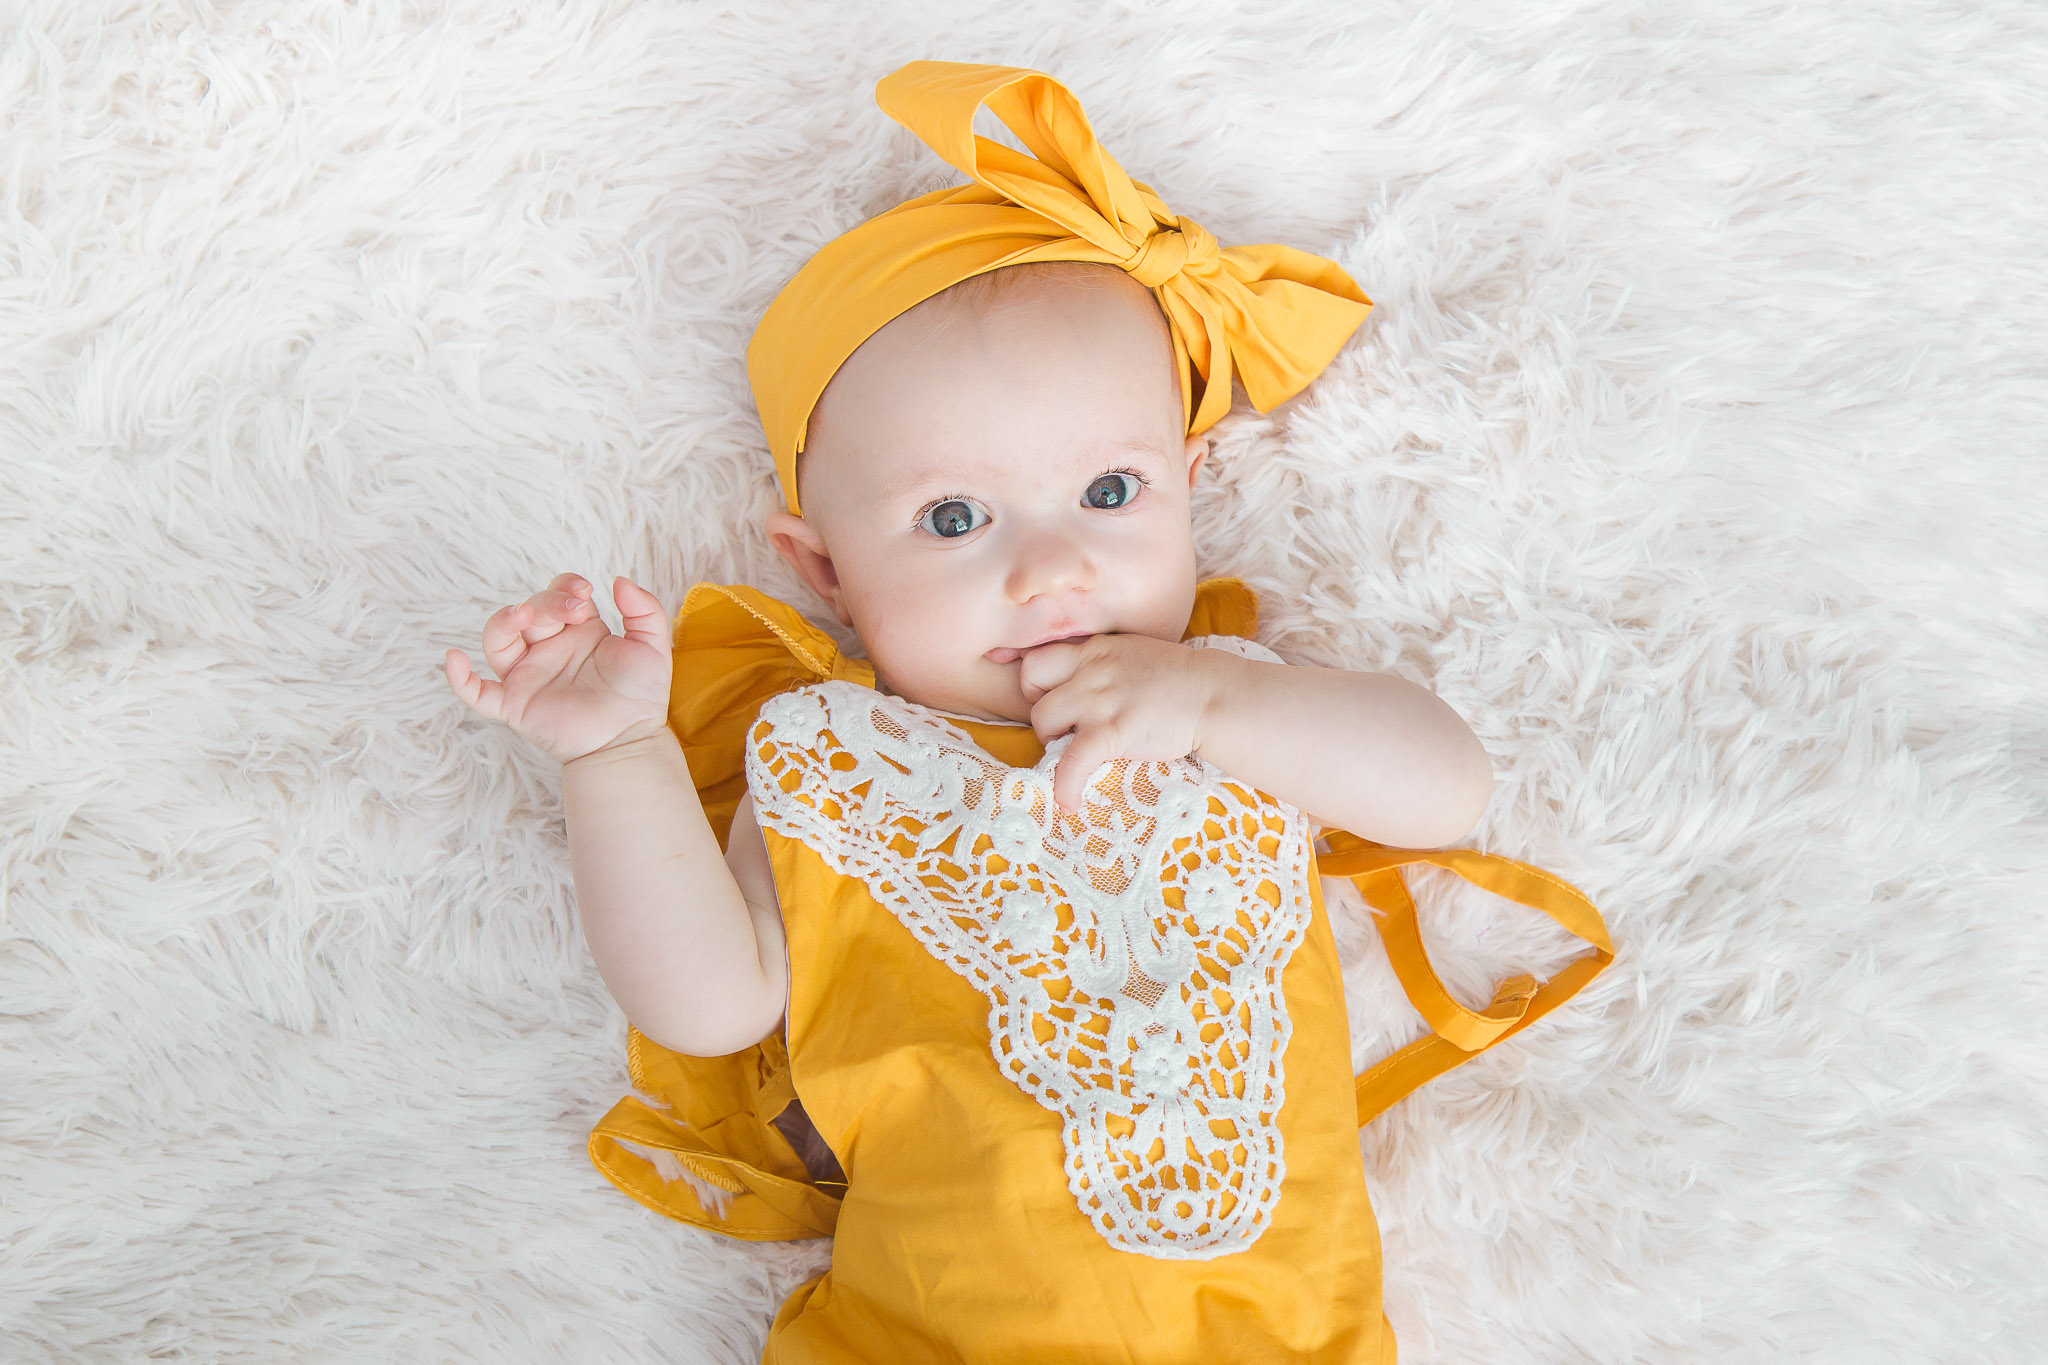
<point x="1049" y="563"/>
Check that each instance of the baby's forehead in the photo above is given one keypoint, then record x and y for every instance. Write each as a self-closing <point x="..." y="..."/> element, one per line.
<point x="1022" y="321"/>
<point x="1034" y="281"/>
<point x="1064" y="283"/>
<point x="1026" y="364"/>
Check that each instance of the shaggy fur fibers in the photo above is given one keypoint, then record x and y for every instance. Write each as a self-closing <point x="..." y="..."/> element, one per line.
<point x="1694" y="453"/>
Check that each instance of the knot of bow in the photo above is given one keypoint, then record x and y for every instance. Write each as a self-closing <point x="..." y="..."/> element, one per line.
<point x="1167" y="251"/>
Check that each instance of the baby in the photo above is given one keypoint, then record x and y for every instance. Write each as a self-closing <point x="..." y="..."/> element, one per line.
<point x="996" y="501"/>
<point x="992" y="489"/>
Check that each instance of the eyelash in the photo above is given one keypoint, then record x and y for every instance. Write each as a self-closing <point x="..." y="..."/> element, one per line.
<point x="918" y="520"/>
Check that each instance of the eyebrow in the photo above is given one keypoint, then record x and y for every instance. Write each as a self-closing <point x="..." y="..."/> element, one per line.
<point x="932" y="477"/>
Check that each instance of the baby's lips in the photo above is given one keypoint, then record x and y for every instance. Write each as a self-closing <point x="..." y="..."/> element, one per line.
<point x="1006" y="655"/>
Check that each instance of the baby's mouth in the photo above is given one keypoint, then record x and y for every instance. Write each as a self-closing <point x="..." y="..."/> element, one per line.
<point x="1006" y="655"/>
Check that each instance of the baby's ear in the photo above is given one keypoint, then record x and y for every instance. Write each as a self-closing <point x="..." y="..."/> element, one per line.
<point x="1196" y="450"/>
<point x="798" y="542"/>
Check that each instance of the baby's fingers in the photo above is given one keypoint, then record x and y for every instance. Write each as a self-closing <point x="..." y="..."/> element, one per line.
<point x="481" y="695"/>
<point x="543" y="616"/>
<point x="1093" y="746"/>
<point x="505" y="638"/>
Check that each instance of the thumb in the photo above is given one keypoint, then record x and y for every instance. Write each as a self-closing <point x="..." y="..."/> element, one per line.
<point x="640" y="612"/>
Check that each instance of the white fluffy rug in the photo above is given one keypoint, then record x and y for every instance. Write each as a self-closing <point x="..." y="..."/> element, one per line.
<point x="1694" y="452"/>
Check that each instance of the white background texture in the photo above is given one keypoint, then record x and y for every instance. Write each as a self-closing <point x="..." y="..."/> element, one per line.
<point x="1694" y="452"/>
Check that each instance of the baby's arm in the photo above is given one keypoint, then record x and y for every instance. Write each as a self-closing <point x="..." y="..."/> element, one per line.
<point x="1366" y="752"/>
<point x="683" y="949"/>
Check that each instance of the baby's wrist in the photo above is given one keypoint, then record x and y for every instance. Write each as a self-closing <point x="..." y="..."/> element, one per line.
<point x="628" y="743"/>
<point x="1219" y="691"/>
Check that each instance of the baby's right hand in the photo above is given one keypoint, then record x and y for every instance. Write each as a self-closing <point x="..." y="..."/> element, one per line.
<point x="567" y="683"/>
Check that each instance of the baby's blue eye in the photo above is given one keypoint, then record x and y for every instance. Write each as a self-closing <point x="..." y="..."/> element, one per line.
<point x="1111" y="491"/>
<point x="952" y="518"/>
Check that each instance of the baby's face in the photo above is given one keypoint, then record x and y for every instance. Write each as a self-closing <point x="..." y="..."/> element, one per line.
<point x="980" y="480"/>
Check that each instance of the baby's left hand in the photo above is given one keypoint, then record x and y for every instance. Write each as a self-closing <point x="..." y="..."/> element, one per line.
<point x="1123" y="696"/>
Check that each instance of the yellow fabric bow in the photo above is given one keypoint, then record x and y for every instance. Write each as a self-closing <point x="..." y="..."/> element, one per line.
<point x="1269" y="314"/>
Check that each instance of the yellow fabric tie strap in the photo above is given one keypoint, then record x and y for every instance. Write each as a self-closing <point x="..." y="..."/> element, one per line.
<point x="711" y="1116"/>
<point x="765" y="1207"/>
<point x="1270" y="315"/>
<point x="1457" y="1032"/>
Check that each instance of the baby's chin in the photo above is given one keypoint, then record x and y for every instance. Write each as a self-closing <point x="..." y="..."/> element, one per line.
<point x="990" y="691"/>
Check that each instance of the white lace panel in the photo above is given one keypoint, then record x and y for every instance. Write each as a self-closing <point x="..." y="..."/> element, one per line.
<point x="1131" y="954"/>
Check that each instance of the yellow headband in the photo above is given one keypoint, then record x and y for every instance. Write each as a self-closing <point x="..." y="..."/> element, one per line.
<point x="1272" y="315"/>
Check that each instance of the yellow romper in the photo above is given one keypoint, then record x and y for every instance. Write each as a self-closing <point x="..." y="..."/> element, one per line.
<point x="1089" y="1082"/>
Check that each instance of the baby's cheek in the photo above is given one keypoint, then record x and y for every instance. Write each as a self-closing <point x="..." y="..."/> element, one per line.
<point x="911" y="646"/>
<point x="1169" y="593"/>
<point x="926" y="627"/>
